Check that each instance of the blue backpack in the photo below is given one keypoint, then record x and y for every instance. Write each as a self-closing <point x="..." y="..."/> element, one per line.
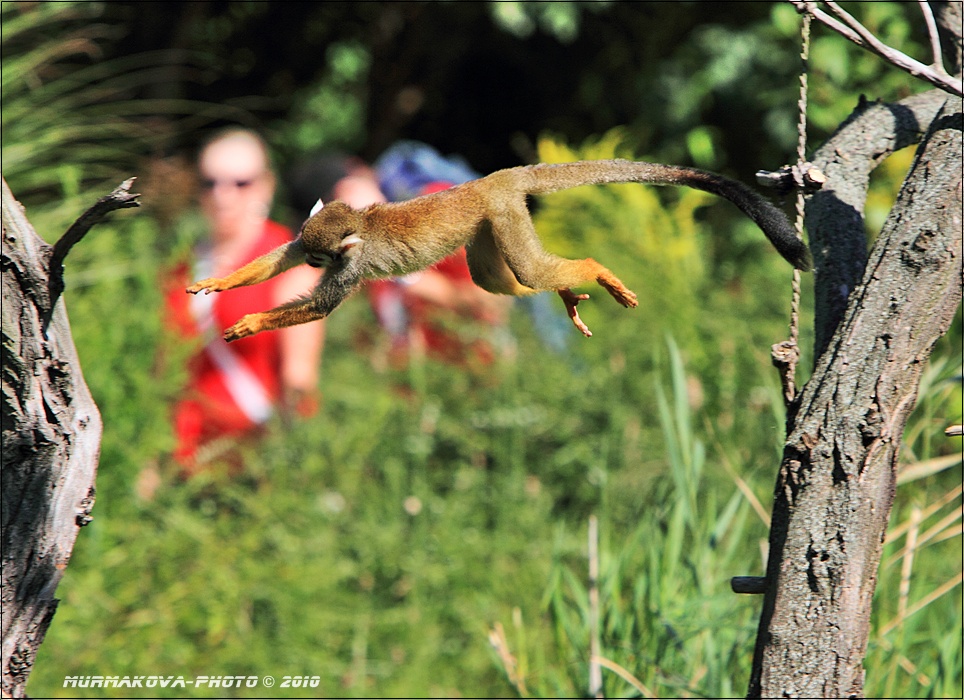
<point x="408" y="166"/>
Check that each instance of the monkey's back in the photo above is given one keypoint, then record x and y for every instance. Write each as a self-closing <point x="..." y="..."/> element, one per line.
<point x="421" y="231"/>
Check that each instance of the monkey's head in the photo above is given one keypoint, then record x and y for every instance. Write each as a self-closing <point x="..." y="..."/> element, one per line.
<point x="330" y="236"/>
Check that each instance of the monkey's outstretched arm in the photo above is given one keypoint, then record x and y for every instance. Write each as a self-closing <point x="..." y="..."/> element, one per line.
<point x="334" y="288"/>
<point x="259" y="270"/>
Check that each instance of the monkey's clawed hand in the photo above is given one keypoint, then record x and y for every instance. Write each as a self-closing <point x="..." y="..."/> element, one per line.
<point x="211" y="284"/>
<point x="247" y="325"/>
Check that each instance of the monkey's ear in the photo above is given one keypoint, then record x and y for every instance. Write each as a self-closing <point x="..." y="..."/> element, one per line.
<point x="349" y="242"/>
<point x="315" y="209"/>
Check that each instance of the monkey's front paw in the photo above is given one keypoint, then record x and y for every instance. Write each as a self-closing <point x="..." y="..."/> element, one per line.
<point x="570" y="299"/>
<point x="248" y="325"/>
<point x="211" y="284"/>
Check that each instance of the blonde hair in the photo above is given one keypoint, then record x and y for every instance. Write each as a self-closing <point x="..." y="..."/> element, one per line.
<point x="240" y="133"/>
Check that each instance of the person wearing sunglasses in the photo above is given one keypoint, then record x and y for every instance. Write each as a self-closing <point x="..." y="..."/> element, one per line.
<point x="233" y="390"/>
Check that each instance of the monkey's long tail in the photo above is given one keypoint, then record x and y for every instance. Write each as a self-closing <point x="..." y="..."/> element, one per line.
<point x="545" y="178"/>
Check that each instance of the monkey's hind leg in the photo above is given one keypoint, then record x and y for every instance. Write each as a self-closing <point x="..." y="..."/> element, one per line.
<point x="588" y="270"/>
<point x="534" y="267"/>
<point x="560" y="275"/>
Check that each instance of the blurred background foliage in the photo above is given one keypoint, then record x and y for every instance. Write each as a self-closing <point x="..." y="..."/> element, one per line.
<point x="382" y="544"/>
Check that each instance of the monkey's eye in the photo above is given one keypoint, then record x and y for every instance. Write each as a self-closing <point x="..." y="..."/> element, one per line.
<point x="319" y="259"/>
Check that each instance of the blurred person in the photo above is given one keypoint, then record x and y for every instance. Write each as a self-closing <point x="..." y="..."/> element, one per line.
<point x="233" y="389"/>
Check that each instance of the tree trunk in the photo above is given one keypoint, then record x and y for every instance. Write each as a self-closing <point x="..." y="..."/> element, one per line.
<point x="837" y="480"/>
<point x="51" y="433"/>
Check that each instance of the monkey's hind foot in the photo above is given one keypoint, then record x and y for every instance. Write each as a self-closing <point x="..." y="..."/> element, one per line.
<point x="618" y="290"/>
<point x="570" y="299"/>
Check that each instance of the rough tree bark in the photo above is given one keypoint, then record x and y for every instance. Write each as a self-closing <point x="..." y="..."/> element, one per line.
<point x="51" y="432"/>
<point x="876" y="322"/>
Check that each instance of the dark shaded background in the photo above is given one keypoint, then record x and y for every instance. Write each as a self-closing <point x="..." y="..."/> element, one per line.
<point x="448" y="74"/>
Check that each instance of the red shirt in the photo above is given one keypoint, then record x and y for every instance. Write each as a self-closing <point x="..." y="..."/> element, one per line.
<point x="207" y="410"/>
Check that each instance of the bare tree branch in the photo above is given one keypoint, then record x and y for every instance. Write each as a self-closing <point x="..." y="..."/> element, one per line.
<point x="853" y="30"/>
<point x="822" y="17"/>
<point x="932" y="34"/>
<point x="834" y="216"/>
<point x="837" y="479"/>
<point x="120" y="198"/>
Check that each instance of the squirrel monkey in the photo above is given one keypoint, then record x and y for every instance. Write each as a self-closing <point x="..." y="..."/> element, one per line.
<point x="490" y="218"/>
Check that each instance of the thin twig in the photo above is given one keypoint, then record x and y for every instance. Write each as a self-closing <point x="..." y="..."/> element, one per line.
<point x="860" y="35"/>
<point x="811" y="9"/>
<point x="871" y="41"/>
<point x="501" y="645"/>
<point x="625" y="675"/>
<point x="923" y="602"/>
<point x="595" y="672"/>
<point x="120" y="198"/>
<point x="907" y="567"/>
<point x="925" y="8"/>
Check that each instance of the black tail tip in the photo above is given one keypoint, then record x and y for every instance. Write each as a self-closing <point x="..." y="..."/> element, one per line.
<point x="801" y="258"/>
<point x="793" y="250"/>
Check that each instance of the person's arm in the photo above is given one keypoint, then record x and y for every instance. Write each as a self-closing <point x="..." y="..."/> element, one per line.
<point x="300" y="346"/>
<point x="462" y="297"/>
